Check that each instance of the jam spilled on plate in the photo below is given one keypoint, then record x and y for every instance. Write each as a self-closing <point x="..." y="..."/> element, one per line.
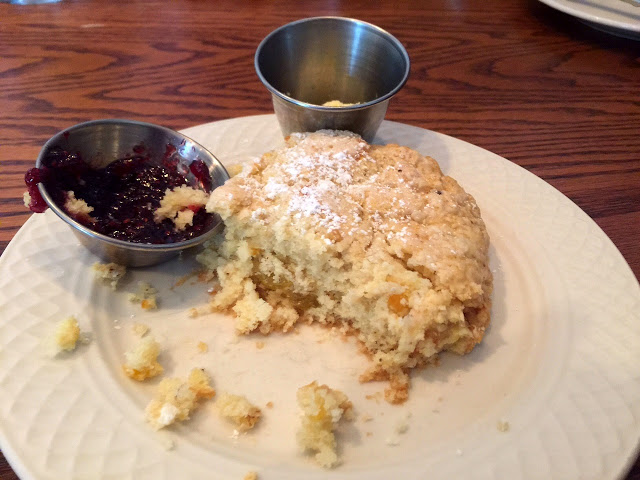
<point x="124" y="194"/>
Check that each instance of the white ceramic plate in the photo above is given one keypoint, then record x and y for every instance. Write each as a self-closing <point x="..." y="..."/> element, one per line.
<point x="559" y="364"/>
<point x="620" y="17"/>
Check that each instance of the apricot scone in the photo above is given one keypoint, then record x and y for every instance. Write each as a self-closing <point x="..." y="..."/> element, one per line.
<point x="374" y="239"/>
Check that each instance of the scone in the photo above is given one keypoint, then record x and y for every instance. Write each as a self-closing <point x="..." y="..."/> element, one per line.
<point x="371" y="238"/>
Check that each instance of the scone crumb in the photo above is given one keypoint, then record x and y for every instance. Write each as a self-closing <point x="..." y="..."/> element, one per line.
<point x="393" y="441"/>
<point x="145" y="296"/>
<point x="175" y="398"/>
<point x="26" y="198"/>
<point x="269" y="404"/>
<point x="179" y="205"/>
<point x="398" y="390"/>
<point x="77" y="208"/>
<point x="140" y="329"/>
<point x="109" y="273"/>
<point x="375" y="396"/>
<point x="205" y="277"/>
<point x="503" y="426"/>
<point x="239" y="410"/>
<point x="234" y="169"/>
<point x="403" y="424"/>
<point x="193" y="313"/>
<point x="203" y="347"/>
<point x="322" y="409"/>
<point x="259" y="345"/>
<point x="366" y="418"/>
<point x="142" y="361"/>
<point x="251" y="476"/>
<point x="167" y="443"/>
<point x="183" y="279"/>
<point x="67" y="334"/>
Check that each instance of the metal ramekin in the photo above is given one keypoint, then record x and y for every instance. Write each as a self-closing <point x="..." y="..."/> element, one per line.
<point x="311" y="61"/>
<point x="100" y="142"/>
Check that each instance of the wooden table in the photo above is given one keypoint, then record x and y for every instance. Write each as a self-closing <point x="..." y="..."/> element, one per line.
<point x="517" y="78"/>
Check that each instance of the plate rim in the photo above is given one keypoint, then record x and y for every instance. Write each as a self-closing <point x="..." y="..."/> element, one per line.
<point x="569" y="8"/>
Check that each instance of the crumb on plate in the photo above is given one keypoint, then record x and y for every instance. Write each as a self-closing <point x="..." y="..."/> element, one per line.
<point x="403" y="424"/>
<point x="175" y="398"/>
<point x="239" y="410"/>
<point x="109" y="273"/>
<point x="140" y="329"/>
<point x="67" y="334"/>
<point x="322" y="409"/>
<point x="503" y="426"/>
<point x="235" y="169"/>
<point x="145" y="296"/>
<point x="142" y="361"/>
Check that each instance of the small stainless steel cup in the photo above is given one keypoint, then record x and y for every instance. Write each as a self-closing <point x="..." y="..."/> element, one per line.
<point x="316" y="60"/>
<point x="99" y="143"/>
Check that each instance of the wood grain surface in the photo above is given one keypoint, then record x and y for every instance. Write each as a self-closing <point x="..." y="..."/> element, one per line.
<point x="515" y="77"/>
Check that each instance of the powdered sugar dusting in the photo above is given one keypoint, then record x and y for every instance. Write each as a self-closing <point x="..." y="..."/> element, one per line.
<point x="311" y="177"/>
<point x="274" y="187"/>
<point x="338" y="189"/>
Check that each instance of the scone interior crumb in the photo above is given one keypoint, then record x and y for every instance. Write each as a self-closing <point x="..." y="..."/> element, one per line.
<point x="76" y="207"/>
<point x="503" y="426"/>
<point x="175" y="398"/>
<point x="140" y="329"/>
<point x="239" y="410"/>
<point x="110" y="273"/>
<point x="67" y="334"/>
<point x="322" y="409"/>
<point x="141" y="362"/>
<point x="145" y="296"/>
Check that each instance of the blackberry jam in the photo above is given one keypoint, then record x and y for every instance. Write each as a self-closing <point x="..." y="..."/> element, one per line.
<point x="124" y="194"/>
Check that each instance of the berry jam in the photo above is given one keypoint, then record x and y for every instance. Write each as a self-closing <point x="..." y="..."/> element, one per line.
<point x="32" y="179"/>
<point x="124" y="194"/>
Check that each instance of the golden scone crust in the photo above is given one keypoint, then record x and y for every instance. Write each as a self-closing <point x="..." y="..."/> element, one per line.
<point x="372" y="238"/>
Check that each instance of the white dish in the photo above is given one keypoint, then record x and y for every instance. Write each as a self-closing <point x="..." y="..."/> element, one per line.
<point x="559" y="363"/>
<point x="619" y="17"/>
